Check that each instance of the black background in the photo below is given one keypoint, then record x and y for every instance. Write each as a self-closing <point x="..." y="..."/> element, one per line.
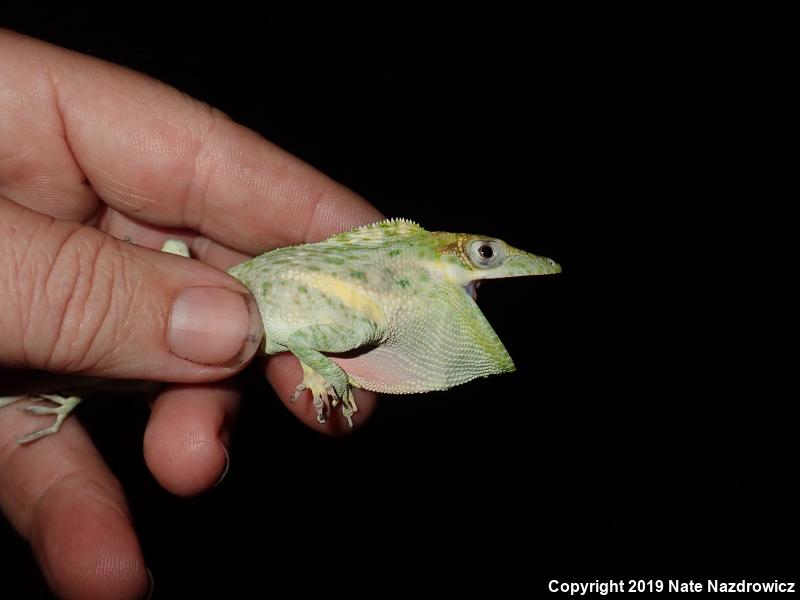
<point x="650" y="430"/>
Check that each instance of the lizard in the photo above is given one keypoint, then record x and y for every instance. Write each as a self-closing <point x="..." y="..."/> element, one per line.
<point x="388" y="307"/>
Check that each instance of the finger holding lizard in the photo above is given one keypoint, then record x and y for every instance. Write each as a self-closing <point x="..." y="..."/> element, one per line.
<point x="91" y="153"/>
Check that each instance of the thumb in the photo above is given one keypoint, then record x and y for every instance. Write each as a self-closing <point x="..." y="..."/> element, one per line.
<point x="79" y="301"/>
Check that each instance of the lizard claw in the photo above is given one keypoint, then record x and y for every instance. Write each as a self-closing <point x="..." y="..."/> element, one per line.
<point x="297" y="391"/>
<point x="321" y="406"/>
<point x="6" y="400"/>
<point x="349" y="407"/>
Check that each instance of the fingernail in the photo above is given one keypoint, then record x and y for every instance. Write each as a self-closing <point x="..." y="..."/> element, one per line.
<point x="214" y="326"/>
<point x="152" y="584"/>
<point x="227" y="465"/>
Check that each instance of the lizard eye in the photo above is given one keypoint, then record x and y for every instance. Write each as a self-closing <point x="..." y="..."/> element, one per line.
<point x="485" y="253"/>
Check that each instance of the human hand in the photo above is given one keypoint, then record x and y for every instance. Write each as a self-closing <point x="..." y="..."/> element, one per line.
<point x="90" y="154"/>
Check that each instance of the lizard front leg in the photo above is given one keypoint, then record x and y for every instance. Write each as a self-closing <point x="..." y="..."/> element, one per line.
<point x="324" y="379"/>
<point x="321" y="375"/>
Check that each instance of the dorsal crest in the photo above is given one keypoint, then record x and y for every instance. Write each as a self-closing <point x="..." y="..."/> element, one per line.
<point x="380" y="232"/>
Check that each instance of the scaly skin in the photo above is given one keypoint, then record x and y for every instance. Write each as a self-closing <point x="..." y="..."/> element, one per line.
<point x="391" y="303"/>
<point x="392" y="296"/>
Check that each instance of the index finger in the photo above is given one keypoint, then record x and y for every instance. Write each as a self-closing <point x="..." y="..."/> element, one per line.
<point x="164" y="158"/>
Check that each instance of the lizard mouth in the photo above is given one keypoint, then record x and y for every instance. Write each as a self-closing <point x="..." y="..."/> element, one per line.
<point x="472" y="289"/>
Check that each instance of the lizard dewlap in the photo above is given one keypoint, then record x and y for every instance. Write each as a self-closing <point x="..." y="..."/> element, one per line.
<point x="387" y="307"/>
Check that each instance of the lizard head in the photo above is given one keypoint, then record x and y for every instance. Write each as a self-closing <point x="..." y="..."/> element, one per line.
<point x="468" y="259"/>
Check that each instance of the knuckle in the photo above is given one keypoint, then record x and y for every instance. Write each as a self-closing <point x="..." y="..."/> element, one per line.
<point x="15" y="278"/>
<point x="204" y="161"/>
<point x="80" y="296"/>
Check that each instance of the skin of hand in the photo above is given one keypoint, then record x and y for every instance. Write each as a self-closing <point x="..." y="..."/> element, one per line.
<point x="90" y="154"/>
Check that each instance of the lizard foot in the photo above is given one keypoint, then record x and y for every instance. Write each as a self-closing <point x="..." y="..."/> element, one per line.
<point x="349" y="407"/>
<point x="321" y="391"/>
<point x="178" y="247"/>
<point x="65" y="406"/>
